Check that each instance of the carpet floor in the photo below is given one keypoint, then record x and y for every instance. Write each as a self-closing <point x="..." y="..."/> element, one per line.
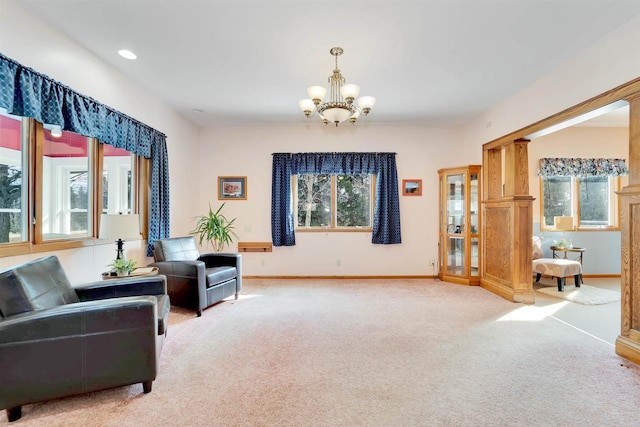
<point x="585" y="294"/>
<point x="367" y="353"/>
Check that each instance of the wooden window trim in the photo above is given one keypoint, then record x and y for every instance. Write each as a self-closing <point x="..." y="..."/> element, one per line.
<point x="33" y="137"/>
<point x="575" y="206"/>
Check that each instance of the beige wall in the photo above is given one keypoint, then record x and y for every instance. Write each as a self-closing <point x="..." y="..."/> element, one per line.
<point x="247" y="151"/>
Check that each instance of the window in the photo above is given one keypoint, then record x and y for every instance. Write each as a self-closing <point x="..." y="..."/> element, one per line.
<point x="592" y="201"/>
<point x="66" y="186"/>
<point x="13" y="181"/>
<point x="337" y="202"/>
<point x="69" y="182"/>
<point x="118" y="185"/>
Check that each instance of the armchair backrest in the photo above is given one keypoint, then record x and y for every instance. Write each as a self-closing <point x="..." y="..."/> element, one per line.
<point x="536" y="246"/>
<point x="35" y="285"/>
<point x="176" y="249"/>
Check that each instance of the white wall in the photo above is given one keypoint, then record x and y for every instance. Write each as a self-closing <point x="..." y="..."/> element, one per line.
<point x="602" y="255"/>
<point x="611" y="62"/>
<point x="421" y="151"/>
<point x="33" y="43"/>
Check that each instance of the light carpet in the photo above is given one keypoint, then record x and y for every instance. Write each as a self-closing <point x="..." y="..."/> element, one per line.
<point x="367" y="353"/>
<point x="586" y="295"/>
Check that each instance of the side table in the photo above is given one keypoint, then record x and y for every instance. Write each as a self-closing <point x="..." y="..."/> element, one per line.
<point x="573" y="249"/>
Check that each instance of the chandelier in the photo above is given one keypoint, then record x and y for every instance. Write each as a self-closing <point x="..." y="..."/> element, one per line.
<point x="340" y="106"/>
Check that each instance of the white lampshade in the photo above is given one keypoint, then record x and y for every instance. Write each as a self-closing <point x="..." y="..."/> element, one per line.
<point x="564" y="223"/>
<point x="125" y="227"/>
<point x="350" y="91"/>
<point x="306" y="105"/>
<point x="316" y="92"/>
<point x="366" y="102"/>
<point x="337" y="115"/>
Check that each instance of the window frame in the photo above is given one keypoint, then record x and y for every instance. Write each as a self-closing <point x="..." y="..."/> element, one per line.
<point x="614" y="205"/>
<point x="333" y="227"/>
<point x="33" y="151"/>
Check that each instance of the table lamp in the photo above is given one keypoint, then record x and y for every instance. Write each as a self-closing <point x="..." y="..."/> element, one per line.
<point x="120" y="228"/>
<point x="563" y="223"/>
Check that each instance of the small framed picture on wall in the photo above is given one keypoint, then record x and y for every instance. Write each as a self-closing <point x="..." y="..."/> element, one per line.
<point x="232" y="188"/>
<point x="412" y="187"/>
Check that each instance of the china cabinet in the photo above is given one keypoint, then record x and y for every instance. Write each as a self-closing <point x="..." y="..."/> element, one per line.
<point x="459" y="235"/>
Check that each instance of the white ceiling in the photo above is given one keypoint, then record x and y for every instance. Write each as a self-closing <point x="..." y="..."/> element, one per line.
<point x="250" y="62"/>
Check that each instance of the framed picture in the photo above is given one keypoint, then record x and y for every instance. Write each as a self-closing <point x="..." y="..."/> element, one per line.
<point x="412" y="187"/>
<point x="232" y="188"/>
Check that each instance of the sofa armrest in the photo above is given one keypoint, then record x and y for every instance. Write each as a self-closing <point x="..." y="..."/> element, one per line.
<point x="225" y="259"/>
<point x="80" y="319"/>
<point x="221" y="260"/>
<point x="190" y="269"/>
<point x="125" y="287"/>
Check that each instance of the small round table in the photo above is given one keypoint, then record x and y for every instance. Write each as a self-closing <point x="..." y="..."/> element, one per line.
<point x="573" y="249"/>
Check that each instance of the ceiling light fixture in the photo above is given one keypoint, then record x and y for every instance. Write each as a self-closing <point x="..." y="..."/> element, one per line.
<point x="127" y="54"/>
<point x="340" y="106"/>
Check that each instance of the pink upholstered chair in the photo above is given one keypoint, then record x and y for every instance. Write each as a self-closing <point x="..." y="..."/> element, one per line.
<point x="555" y="267"/>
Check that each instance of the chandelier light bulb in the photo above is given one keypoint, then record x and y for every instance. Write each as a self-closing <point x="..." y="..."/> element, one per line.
<point x="307" y="106"/>
<point x="340" y="107"/>
<point x="316" y="93"/>
<point x="366" y="103"/>
<point x="350" y="92"/>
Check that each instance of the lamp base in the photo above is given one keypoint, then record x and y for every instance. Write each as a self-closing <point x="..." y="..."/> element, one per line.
<point x="120" y="250"/>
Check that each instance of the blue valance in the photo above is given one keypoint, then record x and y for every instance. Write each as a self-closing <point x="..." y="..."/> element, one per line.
<point x="386" y="218"/>
<point x="564" y="166"/>
<point x="27" y="93"/>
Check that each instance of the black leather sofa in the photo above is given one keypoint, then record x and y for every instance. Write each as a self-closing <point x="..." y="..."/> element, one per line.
<point x="57" y="340"/>
<point x="196" y="281"/>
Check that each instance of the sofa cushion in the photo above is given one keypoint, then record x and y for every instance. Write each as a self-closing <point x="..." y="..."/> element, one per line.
<point x="217" y="275"/>
<point x="35" y="285"/>
<point x="557" y="267"/>
<point x="176" y="249"/>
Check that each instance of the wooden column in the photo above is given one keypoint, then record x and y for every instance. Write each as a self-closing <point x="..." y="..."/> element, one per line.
<point x="507" y="223"/>
<point x="628" y="343"/>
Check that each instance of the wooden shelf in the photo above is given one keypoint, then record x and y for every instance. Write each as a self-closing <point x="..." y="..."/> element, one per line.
<point x="255" y="247"/>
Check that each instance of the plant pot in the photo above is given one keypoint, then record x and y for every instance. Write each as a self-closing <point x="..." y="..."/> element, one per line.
<point x="122" y="273"/>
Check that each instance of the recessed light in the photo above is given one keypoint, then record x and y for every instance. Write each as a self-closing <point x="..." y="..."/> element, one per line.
<point x="127" y="54"/>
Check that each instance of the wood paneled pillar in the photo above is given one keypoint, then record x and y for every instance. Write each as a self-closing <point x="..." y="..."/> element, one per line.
<point x="507" y="218"/>
<point x="628" y="343"/>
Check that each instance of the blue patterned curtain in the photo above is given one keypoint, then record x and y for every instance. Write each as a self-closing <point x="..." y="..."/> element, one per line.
<point x="564" y="166"/>
<point x="386" y="219"/>
<point x="25" y="92"/>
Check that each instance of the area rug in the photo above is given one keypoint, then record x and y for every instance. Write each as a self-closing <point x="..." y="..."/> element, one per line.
<point x="586" y="295"/>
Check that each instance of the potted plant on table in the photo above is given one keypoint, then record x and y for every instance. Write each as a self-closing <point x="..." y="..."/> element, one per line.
<point x="122" y="266"/>
<point x="215" y="229"/>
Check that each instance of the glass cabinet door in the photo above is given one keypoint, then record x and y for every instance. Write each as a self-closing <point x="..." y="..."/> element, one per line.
<point x="460" y="224"/>
<point x="473" y="223"/>
<point x="456" y="223"/>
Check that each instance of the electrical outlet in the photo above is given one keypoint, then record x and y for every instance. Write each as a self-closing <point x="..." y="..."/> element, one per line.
<point x="432" y="263"/>
<point x="338" y="263"/>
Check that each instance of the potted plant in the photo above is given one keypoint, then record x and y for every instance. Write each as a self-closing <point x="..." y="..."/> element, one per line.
<point x="122" y="266"/>
<point x="214" y="228"/>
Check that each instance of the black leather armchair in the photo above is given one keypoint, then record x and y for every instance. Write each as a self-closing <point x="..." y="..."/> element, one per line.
<point x="196" y="281"/>
<point x="57" y="340"/>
